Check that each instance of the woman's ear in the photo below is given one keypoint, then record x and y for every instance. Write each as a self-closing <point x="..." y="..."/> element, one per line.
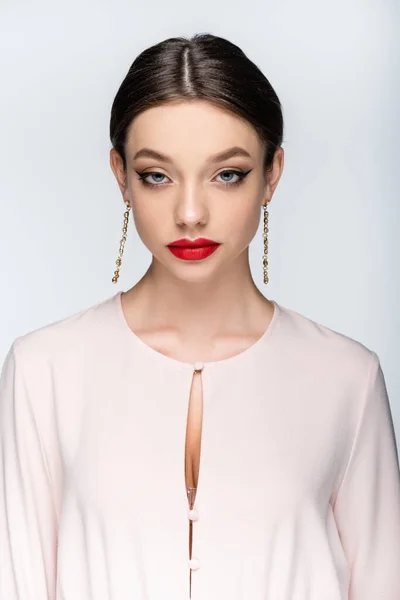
<point x="118" y="169"/>
<point x="273" y="175"/>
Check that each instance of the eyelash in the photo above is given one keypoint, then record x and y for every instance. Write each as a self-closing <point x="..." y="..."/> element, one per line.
<point x="241" y="175"/>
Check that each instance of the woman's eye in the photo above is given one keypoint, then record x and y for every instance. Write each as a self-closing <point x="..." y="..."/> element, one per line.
<point x="226" y="177"/>
<point x="229" y="173"/>
<point x="143" y="177"/>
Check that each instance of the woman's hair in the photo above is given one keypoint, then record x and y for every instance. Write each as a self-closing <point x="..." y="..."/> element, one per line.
<point x="203" y="67"/>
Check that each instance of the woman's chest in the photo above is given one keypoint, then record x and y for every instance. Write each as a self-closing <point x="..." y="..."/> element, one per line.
<point x="249" y="444"/>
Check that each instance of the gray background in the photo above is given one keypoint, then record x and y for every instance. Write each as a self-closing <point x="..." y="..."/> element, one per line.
<point x="333" y="221"/>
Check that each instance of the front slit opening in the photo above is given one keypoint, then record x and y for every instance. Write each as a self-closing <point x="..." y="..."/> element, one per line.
<point x="191" y="492"/>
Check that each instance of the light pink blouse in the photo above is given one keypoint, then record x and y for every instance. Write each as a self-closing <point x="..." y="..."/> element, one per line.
<point x="298" y="496"/>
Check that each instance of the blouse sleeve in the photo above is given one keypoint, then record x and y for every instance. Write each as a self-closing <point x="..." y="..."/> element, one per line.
<point x="28" y="502"/>
<point x="367" y="506"/>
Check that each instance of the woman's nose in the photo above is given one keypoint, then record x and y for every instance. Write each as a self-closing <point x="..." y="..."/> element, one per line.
<point x="191" y="209"/>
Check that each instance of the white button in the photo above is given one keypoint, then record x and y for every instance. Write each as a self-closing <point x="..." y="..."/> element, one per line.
<point x="194" y="563"/>
<point x="198" y="365"/>
<point x="193" y="516"/>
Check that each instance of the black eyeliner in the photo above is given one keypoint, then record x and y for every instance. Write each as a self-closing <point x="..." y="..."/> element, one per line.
<point x="241" y="174"/>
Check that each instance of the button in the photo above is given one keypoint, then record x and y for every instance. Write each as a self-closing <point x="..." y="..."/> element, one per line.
<point x="193" y="515"/>
<point x="194" y="563"/>
<point x="198" y="365"/>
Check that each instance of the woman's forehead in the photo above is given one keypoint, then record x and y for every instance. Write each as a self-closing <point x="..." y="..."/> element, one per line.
<point x="173" y="130"/>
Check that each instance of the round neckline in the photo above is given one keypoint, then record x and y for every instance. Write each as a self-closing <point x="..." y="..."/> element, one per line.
<point x="168" y="360"/>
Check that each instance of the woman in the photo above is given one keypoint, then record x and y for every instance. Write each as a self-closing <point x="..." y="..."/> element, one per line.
<point x="107" y="492"/>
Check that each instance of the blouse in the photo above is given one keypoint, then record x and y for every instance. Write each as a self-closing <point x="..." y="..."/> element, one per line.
<point x="298" y="494"/>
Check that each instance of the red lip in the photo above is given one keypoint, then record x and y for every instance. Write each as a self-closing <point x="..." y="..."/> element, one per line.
<point x="197" y="243"/>
<point x="193" y="253"/>
<point x="197" y="249"/>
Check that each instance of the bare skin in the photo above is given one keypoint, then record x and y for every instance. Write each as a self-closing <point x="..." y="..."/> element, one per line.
<point x="210" y="309"/>
<point x="196" y="310"/>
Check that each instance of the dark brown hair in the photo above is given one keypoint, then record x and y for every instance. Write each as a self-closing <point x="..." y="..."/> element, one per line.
<point x="203" y="67"/>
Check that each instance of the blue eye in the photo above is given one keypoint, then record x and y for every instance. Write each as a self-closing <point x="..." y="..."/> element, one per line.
<point x="143" y="177"/>
<point x="239" y="174"/>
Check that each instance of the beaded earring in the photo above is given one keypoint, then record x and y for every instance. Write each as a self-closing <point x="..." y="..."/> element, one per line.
<point x="122" y="243"/>
<point x="265" y="236"/>
<point x="125" y="229"/>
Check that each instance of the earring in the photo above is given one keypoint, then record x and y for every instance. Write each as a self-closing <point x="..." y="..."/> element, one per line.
<point x="265" y="236"/>
<point x="122" y="244"/>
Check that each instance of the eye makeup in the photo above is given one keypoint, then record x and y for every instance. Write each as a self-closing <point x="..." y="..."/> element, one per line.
<point x="142" y="175"/>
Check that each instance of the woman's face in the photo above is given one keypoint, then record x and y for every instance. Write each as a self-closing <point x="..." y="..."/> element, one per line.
<point x="188" y="192"/>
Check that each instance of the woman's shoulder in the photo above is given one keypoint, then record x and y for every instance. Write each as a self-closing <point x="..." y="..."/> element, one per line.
<point x="323" y="347"/>
<point x="74" y="333"/>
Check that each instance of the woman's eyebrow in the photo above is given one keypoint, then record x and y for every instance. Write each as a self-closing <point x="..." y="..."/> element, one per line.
<point x="215" y="158"/>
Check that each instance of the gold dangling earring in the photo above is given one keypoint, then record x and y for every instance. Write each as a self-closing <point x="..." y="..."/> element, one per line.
<point x="265" y="236"/>
<point x="122" y="244"/>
